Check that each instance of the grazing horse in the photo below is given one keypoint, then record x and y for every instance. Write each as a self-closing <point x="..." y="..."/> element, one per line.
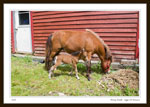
<point x="73" y="41"/>
<point x="68" y="59"/>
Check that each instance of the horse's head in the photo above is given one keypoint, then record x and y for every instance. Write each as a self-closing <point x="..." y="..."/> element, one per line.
<point x="106" y="63"/>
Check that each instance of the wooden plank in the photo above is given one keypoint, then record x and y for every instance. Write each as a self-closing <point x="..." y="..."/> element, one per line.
<point x="117" y="47"/>
<point x="39" y="45"/>
<point x="82" y="13"/>
<point x="39" y="11"/>
<point x="95" y="30"/>
<point x="122" y="48"/>
<point x="114" y="34"/>
<point x="40" y="38"/>
<point x="41" y="52"/>
<point x="40" y="49"/>
<point x="125" y="34"/>
<point x="51" y="12"/>
<point x="63" y="27"/>
<point x="109" y="43"/>
<point x="122" y="52"/>
<point x="45" y="13"/>
<point x="40" y="42"/>
<point x="119" y="39"/>
<point x="123" y="56"/>
<point x="12" y="34"/>
<point x="133" y="21"/>
<point x="112" y="51"/>
<point x="72" y="18"/>
<point x="121" y="43"/>
<point x="126" y="53"/>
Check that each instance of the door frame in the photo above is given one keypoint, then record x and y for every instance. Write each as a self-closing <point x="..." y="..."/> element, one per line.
<point x="32" y="36"/>
<point x="12" y="33"/>
<point x="14" y="25"/>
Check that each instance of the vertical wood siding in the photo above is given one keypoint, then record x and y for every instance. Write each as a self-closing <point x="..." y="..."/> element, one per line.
<point x="117" y="28"/>
<point x="12" y="34"/>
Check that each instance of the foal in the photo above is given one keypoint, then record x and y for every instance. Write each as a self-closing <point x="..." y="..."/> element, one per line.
<point x="68" y="59"/>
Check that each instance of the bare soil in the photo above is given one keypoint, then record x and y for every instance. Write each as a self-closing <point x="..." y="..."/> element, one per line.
<point x="121" y="78"/>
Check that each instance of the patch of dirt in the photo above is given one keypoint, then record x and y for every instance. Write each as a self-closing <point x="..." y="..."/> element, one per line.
<point x="121" y="78"/>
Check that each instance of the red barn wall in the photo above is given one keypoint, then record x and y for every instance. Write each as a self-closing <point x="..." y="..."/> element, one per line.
<point x="12" y="34"/>
<point x="117" y="28"/>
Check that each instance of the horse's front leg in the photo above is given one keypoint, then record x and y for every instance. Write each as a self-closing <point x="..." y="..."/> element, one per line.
<point x="88" y="65"/>
<point x="88" y="70"/>
<point x="51" y="58"/>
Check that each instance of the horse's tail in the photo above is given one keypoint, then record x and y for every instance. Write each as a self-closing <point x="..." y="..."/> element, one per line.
<point x="48" y="52"/>
<point x="107" y="50"/>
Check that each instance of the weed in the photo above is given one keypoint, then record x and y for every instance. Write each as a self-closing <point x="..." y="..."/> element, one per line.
<point x="130" y="92"/>
<point x="28" y="59"/>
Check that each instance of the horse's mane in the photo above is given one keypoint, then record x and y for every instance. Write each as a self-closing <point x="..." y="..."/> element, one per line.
<point x="96" y="35"/>
<point x="108" y="54"/>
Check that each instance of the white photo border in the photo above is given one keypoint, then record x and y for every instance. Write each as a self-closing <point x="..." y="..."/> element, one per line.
<point x="142" y="98"/>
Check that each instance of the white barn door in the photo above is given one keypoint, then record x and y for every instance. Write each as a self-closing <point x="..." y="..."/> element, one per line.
<point x="23" y="42"/>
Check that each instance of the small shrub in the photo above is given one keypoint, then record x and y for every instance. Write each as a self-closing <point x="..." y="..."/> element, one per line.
<point x="96" y="67"/>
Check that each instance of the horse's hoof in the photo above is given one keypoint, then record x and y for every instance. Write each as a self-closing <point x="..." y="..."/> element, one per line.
<point x="49" y="78"/>
<point x="91" y="72"/>
<point x="89" y="79"/>
<point x="77" y="78"/>
<point x="70" y="73"/>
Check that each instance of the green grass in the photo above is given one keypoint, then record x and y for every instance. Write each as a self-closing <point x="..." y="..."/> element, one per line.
<point x="29" y="78"/>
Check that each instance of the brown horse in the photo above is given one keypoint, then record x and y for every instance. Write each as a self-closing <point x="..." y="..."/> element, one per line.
<point x="72" y="41"/>
<point x="68" y="59"/>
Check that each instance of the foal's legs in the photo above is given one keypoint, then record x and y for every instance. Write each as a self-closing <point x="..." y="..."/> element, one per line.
<point x="53" y="68"/>
<point x="75" y="67"/>
<point x="74" y="64"/>
<point x="71" y="70"/>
